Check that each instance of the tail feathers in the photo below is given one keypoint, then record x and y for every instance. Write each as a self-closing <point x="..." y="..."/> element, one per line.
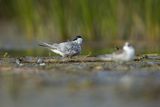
<point x="46" y="45"/>
<point x="107" y="57"/>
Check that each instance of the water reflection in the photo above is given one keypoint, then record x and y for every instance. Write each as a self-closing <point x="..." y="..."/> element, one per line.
<point x="103" y="88"/>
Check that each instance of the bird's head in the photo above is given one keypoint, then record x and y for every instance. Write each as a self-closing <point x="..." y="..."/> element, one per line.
<point x="78" y="39"/>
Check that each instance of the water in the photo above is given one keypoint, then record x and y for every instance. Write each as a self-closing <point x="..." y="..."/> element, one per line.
<point x="84" y="84"/>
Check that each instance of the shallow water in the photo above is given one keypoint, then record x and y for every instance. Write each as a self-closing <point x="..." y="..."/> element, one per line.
<point x="80" y="84"/>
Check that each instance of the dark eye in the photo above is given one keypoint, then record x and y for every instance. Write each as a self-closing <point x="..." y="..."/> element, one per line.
<point x="79" y="37"/>
<point x="129" y="45"/>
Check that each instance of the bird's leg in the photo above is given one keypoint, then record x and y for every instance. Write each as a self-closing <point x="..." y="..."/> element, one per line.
<point x="66" y="58"/>
<point x="69" y="57"/>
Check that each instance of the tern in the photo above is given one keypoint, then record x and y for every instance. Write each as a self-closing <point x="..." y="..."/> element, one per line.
<point x="66" y="49"/>
<point x="127" y="53"/>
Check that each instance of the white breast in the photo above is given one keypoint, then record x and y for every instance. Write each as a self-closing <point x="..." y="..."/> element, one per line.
<point x="130" y="53"/>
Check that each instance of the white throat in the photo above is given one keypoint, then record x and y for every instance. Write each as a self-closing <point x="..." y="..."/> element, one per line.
<point x="130" y="52"/>
<point x="79" y="41"/>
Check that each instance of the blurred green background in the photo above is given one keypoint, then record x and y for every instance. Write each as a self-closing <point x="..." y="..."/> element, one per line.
<point x="104" y="25"/>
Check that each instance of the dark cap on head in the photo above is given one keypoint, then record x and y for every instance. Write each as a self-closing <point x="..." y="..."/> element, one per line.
<point x="77" y="37"/>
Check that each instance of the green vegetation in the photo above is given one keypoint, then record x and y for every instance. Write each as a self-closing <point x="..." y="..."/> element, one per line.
<point x="108" y="21"/>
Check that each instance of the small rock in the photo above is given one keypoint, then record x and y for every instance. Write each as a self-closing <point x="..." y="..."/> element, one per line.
<point x="98" y="67"/>
<point x="19" y="62"/>
<point x="41" y="62"/>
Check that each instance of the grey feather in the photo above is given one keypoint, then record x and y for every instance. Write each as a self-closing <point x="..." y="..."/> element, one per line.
<point x="69" y="48"/>
<point x="47" y="45"/>
<point x="106" y="57"/>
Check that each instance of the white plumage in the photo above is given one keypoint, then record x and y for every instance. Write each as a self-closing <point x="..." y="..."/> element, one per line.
<point x="127" y="53"/>
<point x="66" y="49"/>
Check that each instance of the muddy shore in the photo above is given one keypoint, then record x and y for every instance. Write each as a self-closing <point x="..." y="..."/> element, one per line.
<point x="86" y="81"/>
